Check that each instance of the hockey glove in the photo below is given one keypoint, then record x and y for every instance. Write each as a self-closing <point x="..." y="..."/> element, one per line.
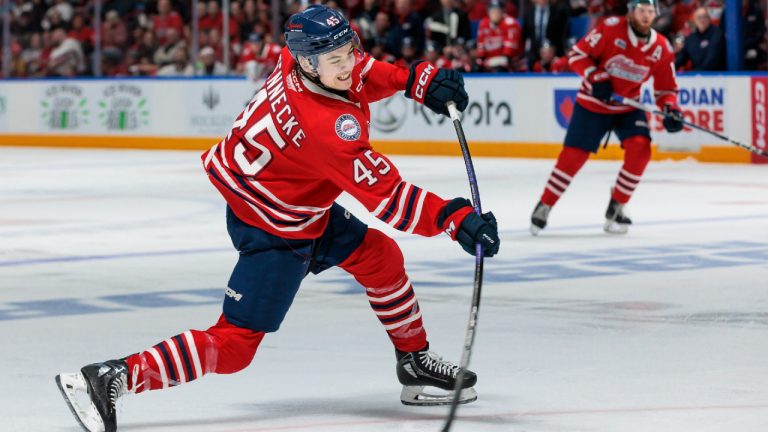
<point x="471" y="227"/>
<point x="434" y="87"/>
<point x="672" y="121"/>
<point x="600" y="81"/>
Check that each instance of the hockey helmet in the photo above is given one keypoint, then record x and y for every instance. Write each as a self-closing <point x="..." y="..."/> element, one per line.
<point x="634" y="3"/>
<point x="317" y="30"/>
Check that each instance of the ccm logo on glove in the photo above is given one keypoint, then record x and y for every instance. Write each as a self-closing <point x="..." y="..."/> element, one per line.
<point x="423" y="80"/>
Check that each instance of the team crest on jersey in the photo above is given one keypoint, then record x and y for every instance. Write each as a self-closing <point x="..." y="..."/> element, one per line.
<point x="620" y="43"/>
<point x="347" y="127"/>
<point x="611" y="21"/>
<point x="623" y="67"/>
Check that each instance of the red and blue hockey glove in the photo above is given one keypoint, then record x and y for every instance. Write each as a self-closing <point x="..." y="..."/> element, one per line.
<point x="471" y="227"/>
<point x="435" y="87"/>
<point x="600" y="83"/>
<point x="672" y="121"/>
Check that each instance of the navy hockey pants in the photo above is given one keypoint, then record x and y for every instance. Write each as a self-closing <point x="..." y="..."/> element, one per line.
<point x="270" y="269"/>
<point x="588" y="128"/>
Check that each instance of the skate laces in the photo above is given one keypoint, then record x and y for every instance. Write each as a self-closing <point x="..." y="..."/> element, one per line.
<point x="435" y="363"/>
<point x="117" y="388"/>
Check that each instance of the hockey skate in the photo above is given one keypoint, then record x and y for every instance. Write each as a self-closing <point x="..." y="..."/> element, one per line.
<point x="616" y="221"/>
<point x="539" y="218"/>
<point x="103" y="383"/>
<point x="417" y="370"/>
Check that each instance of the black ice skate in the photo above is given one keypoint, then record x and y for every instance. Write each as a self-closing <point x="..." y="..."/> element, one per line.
<point x="417" y="370"/>
<point x="616" y="221"/>
<point x="539" y="217"/>
<point x="104" y="383"/>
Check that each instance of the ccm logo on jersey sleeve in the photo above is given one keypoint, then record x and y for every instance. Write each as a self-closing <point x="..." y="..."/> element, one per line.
<point x="423" y="79"/>
<point x="347" y="127"/>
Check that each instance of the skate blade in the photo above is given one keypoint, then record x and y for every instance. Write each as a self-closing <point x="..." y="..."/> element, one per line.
<point x="611" y="227"/>
<point x="416" y="396"/>
<point x="69" y="385"/>
<point x="534" y="230"/>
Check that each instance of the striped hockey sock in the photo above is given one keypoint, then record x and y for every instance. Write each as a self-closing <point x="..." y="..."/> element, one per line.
<point x="569" y="163"/>
<point x="637" y="154"/>
<point x="223" y="348"/>
<point x="378" y="265"/>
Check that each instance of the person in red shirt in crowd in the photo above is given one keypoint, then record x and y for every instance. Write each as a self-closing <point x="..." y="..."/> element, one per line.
<point x="499" y="39"/>
<point x="81" y="31"/>
<point x="166" y="18"/>
<point x="478" y="9"/>
<point x="259" y="57"/>
<point x="214" y="19"/>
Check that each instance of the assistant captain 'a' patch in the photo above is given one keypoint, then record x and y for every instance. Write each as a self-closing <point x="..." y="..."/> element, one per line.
<point x="347" y="127"/>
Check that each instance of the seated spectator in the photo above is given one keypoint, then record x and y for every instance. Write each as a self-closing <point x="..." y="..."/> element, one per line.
<point x="754" y="35"/>
<point x="114" y="34"/>
<point x="143" y="66"/>
<point x="179" y="67"/>
<point x="31" y="55"/>
<point x="66" y="58"/>
<point x="208" y="66"/>
<point x="704" y="48"/>
<point x="166" y="18"/>
<point x="499" y="39"/>
<point x="82" y="31"/>
<point x="448" y="24"/>
<point x="407" y="23"/>
<point x="166" y="52"/>
<point x="549" y="62"/>
<point x="259" y="57"/>
<point x="407" y="53"/>
<point x="545" y="20"/>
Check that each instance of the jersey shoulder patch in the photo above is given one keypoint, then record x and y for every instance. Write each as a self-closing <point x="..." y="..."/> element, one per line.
<point x="347" y="127"/>
<point x="611" y="21"/>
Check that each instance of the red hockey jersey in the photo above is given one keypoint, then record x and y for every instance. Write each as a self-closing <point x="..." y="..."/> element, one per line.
<point x="296" y="147"/>
<point x="496" y="43"/>
<point x="613" y="47"/>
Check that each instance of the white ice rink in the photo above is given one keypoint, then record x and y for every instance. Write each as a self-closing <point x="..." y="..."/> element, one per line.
<point x="105" y="253"/>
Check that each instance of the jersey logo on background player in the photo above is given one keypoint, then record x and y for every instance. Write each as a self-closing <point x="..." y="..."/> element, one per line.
<point x="620" y="43"/>
<point x="611" y="21"/>
<point x="623" y="67"/>
<point x="347" y="127"/>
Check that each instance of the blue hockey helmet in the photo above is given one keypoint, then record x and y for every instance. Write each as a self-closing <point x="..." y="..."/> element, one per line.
<point x="317" y="30"/>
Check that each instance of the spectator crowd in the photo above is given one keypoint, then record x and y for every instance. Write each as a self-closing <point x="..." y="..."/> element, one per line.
<point x="52" y="38"/>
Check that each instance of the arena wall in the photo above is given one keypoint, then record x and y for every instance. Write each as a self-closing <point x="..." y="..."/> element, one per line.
<point x="524" y="115"/>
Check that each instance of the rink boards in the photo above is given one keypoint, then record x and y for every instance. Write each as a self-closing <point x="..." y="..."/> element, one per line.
<point x="523" y="115"/>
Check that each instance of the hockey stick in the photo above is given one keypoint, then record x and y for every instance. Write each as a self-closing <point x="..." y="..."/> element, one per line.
<point x="635" y="104"/>
<point x="469" y="338"/>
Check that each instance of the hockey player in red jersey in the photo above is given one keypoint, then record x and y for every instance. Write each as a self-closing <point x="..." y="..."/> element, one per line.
<point x="499" y="39"/>
<point x="617" y="57"/>
<point x="300" y="142"/>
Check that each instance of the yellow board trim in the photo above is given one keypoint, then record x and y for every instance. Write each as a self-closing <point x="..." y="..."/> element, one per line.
<point x="730" y="154"/>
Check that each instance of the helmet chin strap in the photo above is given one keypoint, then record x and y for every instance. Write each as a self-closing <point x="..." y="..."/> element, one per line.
<point x="314" y="77"/>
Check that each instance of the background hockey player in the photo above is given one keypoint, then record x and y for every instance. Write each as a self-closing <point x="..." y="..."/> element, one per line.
<point x="618" y="56"/>
<point x="299" y="143"/>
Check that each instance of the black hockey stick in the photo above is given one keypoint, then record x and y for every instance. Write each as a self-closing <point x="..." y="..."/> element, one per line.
<point x="469" y="338"/>
<point x="635" y="104"/>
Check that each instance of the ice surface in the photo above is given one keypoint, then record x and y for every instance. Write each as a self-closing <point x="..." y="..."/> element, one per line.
<point x="105" y="253"/>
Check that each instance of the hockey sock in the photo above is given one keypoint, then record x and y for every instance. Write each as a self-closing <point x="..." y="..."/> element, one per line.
<point x="378" y="265"/>
<point x="637" y="153"/>
<point x="569" y="163"/>
<point x="223" y="349"/>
